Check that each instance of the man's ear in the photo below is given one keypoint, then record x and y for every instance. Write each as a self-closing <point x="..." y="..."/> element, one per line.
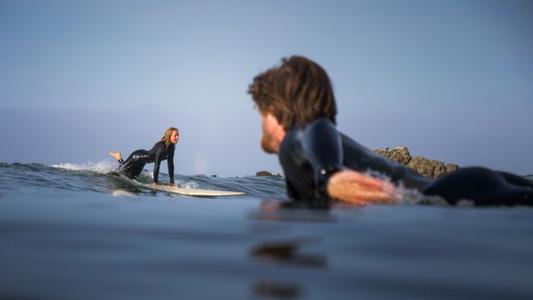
<point x="273" y="120"/>
<point x="270" y="111"/>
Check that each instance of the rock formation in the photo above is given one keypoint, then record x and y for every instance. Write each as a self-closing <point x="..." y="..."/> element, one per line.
<point x="426" y="167"/>
<point x="266" y="173"/>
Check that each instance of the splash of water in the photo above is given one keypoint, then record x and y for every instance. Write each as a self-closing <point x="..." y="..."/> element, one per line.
<point x="188" y="184"/>
<point x="103" y="167"/>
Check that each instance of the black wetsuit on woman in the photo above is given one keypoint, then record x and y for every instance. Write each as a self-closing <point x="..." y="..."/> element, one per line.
<point x="134" y="165"/>
<point x="309" y="154"/>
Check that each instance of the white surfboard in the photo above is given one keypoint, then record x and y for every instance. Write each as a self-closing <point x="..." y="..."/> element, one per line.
<point x="191" y="192"/>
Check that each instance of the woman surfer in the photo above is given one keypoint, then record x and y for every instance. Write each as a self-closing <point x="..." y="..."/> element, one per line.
<point x="162" y="150"/>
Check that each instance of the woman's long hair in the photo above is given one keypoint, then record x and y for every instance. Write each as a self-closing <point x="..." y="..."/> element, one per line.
<point x="168" y="134"/>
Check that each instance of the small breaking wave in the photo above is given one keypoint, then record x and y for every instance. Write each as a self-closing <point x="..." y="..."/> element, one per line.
<point x="97" y="177"/>
<point x="187" y="184"/>
<point x="102" y="167"/>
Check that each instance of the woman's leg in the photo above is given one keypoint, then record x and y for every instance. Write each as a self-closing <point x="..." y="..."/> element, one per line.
<point x="134" y="165"/>
<point x="117" y="156"/>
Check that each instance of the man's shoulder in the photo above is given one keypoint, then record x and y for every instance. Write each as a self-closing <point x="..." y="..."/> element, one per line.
<point x="348" y="142"/>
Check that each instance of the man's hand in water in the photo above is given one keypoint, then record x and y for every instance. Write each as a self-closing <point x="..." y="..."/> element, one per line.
<point x="357" y="188"/>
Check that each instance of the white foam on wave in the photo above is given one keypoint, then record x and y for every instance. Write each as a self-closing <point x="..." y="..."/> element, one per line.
<point x="188" y="184"/>
<point x="122" y="193"/>
<point x="104" y="166"/>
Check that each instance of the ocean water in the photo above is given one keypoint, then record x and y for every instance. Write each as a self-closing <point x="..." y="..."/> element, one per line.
<point x="69" y="231"/>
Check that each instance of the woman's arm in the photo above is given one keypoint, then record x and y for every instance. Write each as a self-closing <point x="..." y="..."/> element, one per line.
<point x="170" y="163"/>
<point x="157" y="163"/>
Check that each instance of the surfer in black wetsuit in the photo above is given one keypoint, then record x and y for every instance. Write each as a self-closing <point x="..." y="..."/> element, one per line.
<point x="298" y="109"/>
<point x="162" y="150"/>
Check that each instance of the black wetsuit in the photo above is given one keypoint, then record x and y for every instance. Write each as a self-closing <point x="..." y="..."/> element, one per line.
<point x="134" y="165"/>
<point x="311" y="153"/>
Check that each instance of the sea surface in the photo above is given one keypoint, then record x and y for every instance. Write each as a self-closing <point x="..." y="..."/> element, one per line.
<point x="69" y="231"/>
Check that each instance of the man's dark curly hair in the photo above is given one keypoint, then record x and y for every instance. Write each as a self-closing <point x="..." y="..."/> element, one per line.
<point x="296" y="92"/>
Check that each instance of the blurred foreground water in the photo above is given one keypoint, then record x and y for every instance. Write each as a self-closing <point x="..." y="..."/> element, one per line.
<point x="76" y="233"/>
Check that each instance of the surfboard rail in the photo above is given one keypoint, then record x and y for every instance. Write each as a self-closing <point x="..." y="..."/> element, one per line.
<point x="191" y="192"/>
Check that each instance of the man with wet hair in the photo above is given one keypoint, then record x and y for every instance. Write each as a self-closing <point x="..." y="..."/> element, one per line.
<point x="298" y="109"/>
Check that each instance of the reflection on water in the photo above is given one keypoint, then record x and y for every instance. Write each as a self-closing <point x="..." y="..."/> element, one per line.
<point x="277" y="248"/>
<point x="122" y="193"/>
<point x="273" y="210"/>
<point x="282" y="290"/>
<point x="287" y="252"/>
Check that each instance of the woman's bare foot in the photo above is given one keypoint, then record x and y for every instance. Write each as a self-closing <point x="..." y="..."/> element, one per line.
<point x="116" y="155"/>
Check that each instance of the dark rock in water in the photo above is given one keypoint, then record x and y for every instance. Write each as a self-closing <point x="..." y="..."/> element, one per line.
<point x="263" y="173"/>
<point x="280" y="290"/>
<point x="266" y="173"/>
<point x="426" y="167"/>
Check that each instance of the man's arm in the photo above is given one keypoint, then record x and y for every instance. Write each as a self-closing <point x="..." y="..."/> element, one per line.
<point x="321" y="143"/>
<point x="322" y="146"/>
<point x="357" y="188"/>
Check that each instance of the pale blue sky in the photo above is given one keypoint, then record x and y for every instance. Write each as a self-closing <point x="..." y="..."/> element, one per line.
<point x="453" y="80"/>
